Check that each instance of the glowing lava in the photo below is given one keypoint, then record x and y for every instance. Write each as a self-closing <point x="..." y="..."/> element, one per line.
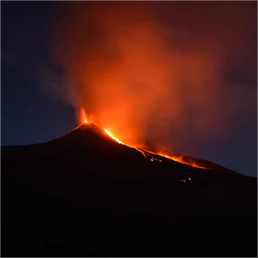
<point x="113" y="137"/>
<point x="144" y="153"/>
<point x="147" y="154"/>
<point x="180" y="159"/>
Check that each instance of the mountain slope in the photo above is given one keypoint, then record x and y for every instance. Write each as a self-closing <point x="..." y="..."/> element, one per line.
<point x="86" y="195"/>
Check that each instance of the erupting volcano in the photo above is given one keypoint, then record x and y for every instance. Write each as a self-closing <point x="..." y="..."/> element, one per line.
<point x="183" y="159"/>
<point x="153" y="84"/>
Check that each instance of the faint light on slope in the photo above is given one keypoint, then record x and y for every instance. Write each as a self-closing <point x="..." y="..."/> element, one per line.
<point x="185" y="180"/>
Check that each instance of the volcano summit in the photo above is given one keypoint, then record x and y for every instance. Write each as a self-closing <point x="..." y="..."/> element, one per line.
<point x="88" y="194"/>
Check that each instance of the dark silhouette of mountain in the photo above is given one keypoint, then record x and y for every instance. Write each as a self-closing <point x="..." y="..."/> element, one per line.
<point x="86" y="195"/>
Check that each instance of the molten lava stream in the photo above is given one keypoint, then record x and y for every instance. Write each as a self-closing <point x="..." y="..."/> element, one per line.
<point x="113" y="137"/>
<point x="147" y="154"/>
<point x="180" y="160"/>
<point x="144" y="153"/>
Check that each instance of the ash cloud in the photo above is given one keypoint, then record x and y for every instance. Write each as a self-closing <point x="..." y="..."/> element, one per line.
<point x="169" y="73"/>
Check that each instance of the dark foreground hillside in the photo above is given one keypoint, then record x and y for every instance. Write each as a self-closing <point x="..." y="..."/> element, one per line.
<point x="86" y="195"/>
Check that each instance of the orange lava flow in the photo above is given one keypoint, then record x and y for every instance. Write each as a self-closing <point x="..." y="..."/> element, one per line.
<point x="180" y="159"/>
<point x="147" y="154"/>
<point x="113" y="137"/>
<point x="144" y="153"/>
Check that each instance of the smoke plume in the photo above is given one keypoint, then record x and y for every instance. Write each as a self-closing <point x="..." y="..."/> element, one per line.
<point x="166" y="73"/>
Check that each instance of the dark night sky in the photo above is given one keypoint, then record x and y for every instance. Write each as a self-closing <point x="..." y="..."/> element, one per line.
<point x="31" y="115"/>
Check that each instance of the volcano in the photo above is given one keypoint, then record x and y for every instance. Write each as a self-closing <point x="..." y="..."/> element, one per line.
<point x="88" y="194"/>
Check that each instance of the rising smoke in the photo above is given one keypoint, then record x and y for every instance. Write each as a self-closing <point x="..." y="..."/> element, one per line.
<point x="158" y="72"/>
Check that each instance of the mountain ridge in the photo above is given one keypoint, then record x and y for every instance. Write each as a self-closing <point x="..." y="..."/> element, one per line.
<point x="94" y="130"/>
<point x="84" y="194"/>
